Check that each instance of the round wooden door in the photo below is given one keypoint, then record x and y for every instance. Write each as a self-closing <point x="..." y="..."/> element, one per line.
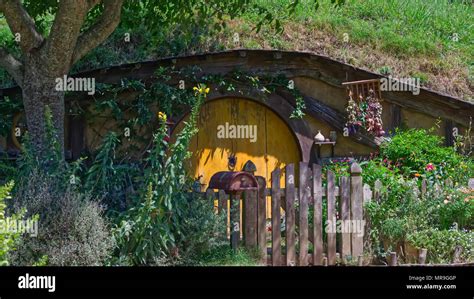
<point x="233" y="131"/>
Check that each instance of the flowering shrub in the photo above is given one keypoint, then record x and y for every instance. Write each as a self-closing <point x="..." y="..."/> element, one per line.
<point x="457" y="208"/>
<point x="417" y="153"/>
<point x="402" y="217"/>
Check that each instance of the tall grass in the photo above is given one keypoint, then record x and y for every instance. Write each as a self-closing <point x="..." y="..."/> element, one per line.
<point x="402" y="27"/>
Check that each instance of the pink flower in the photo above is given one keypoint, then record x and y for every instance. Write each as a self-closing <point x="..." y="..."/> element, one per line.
<point x="430" y="167"/>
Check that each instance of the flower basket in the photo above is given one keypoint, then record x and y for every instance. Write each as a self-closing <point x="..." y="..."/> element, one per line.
<point x="364" y="108"/>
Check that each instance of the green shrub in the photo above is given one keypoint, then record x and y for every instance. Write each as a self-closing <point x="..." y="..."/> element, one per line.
<point x="201" y="230"/>
<point x="101" y="177"/>
<point x="441" y="244"/>
<point x="72" y="231"/>
<point x="456" y="208"/>
<point x="399" y="212"/>
<point x="417" y="152"/>
<point x="8" y="170"/>
<point x="402" y="213"/>
<point x="8" y="239"/>
<point x="376" y="169"/>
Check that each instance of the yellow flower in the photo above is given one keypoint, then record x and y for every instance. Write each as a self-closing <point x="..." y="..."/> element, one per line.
<point x="201" y="89"/>
<point x="417" y="174"/>
<point x="162" y="116"/>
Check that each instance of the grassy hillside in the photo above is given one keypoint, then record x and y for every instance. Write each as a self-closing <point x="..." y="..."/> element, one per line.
<point x="432" y="40"/>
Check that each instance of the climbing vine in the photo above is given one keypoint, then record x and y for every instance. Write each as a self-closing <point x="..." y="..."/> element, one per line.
<point x="170" y="91"/>
<point x="172" y="94"/>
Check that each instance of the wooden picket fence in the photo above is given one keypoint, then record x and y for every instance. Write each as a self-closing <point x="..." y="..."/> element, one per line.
<point x="295" y="203"/>
<point x="414" y="256"/>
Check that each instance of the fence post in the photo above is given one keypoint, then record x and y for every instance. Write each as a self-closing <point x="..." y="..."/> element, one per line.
<point x="367" y="193"/>
<point x="317" y="216"/>
<point x="393" y="258"/>
<point x="345" y="210"/>
<point x="448" y="183"/>
<point x="290" y="215"/>
<point x="211" y="196"/>
<point x="377" y="191"/>
<point x="422" y="256"/>
<point x="276" y="230"/>
<point x="250" y="219"/>
<point x="304" y="195"/>
<point x="424" y="184"/>
<point x="235" y="220"/>
<point x="331" y="225"/>
<point x="356" y="207"/>
<point x="262" y="218"/>
<point x="223" y="198"/>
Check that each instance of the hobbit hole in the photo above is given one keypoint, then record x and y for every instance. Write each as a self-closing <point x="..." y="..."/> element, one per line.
<point x="279" y="138"/>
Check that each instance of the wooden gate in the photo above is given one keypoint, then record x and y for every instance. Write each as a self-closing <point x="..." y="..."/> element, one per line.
<point x="314" y="219"/>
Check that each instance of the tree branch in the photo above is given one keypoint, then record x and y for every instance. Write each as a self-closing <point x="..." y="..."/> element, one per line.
<point x="99" y="32"/>
<point x="13" y="66"/>
<point x="20" y="22"/>
<point x="62" y="39"/>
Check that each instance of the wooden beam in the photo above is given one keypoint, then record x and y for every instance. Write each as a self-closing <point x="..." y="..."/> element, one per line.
<point x="331" y="116"/>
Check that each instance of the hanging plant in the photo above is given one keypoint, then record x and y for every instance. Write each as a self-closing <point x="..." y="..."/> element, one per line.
<point x="352" y="110"/>
<point x="373" y="115"/>
<point x="366" y="113"/>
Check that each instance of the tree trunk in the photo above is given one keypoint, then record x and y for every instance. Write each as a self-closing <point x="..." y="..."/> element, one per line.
<point x="39" y="91"/>
<point x="45" y="60"/>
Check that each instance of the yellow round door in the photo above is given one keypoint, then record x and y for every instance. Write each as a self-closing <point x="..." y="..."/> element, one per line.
<point x="233" y="131"/>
